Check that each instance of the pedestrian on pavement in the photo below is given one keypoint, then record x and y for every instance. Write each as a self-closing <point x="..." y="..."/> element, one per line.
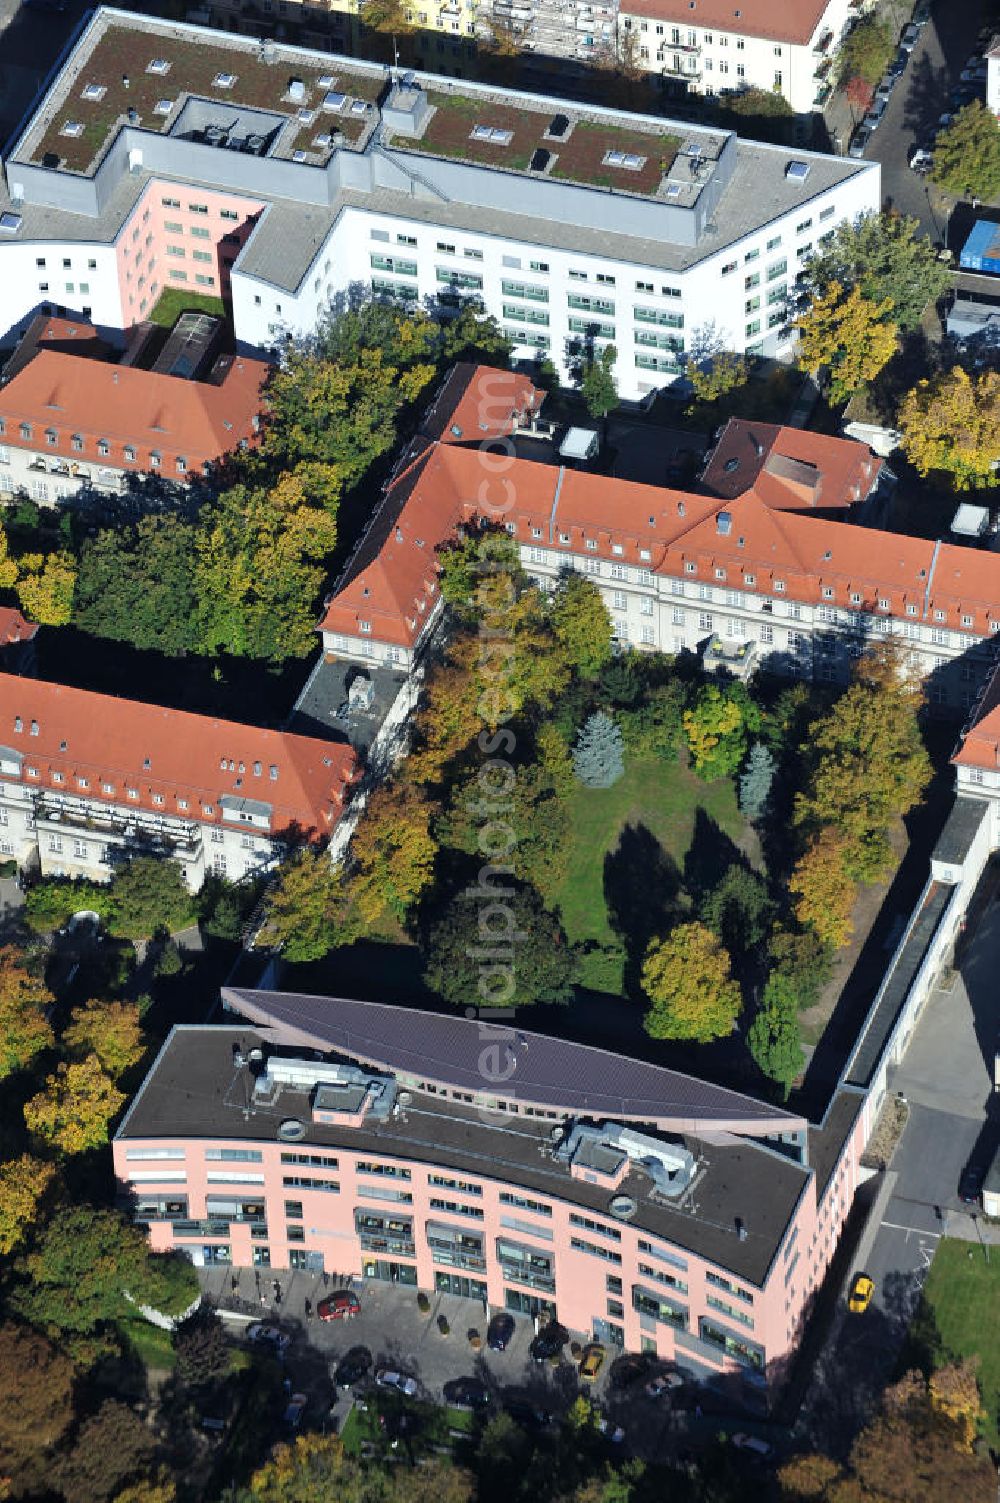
<point x="326" y="1279"/>
<point x="309" y="1309"/>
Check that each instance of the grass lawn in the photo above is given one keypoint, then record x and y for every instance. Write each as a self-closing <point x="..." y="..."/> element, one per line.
<point x="963" y="1294"/>
<point x="174" y="301"/>
<point x="151" y="1344"/>
<point x="660" y="801"/>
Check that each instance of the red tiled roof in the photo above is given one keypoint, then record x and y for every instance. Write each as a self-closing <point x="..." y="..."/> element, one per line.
<point x="792" y="21"/>
<point x="788" y="468"/>
<point x="480" y="402"/>
<point x="981" y="742"/>
<point x="66" y="395"/>
<point x="765" y="540"/>
<point x="14" y="628"/>
<point x="79" y="742"/>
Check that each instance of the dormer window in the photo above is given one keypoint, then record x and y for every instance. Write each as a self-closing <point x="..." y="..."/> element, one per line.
<point x="883" y="603"/>
<point x="57" y="777"/>
<point x="182" y="804"/>
<point x="132" y="793"/>
<point x="966" y="620"/>
<point x="51" y="437"/>
<point x="720" y="573"/>
<point x="129" y="454"/>
<point x="911" y="609"/>
<point x="617" y="549"/>
<point x="690" y="568"/>
<point x="827" y="592"/>
<point x="939" y="616"/>
<point x="645" y="555"/>
<point x="749" y="580"/>
<point x="25" y="430"/>
<point x="592" y="544"/>
<point x="779" y="586"/>
<point x="108" y="788"/>
<point x="365" y="626"/>
<point x="536" y="532"/>
<point x="564" y="537"/>
<point x="103" y="448"/>
<point x="855" y="598"/>
<point x="83" y="783"/>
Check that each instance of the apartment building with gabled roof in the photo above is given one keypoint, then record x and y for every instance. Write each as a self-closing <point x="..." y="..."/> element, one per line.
<point x="766" y="563"/>
<point x="70" y="423"/>
<point x="89" y="779"/>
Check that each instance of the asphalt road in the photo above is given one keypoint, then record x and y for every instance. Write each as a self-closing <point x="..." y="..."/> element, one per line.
<point x="915" y="105"/>
<point x="946" y="1077"/>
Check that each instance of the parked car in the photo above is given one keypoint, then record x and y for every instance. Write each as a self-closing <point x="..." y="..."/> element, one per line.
<point x="945" y="120"/>
<point x="549" y="1342"/>
<point x="861" y="1293"/>
<point x="629" y="1370"/>
<point x="909" y="36"/>
<point x="591" y="1362"/>
<point x="466" y="1393"/>
<point x="387" y="1377"/>
<point x="970" y="1184"/>
<point x="859" y="141"/>
<point x="342" y="1304"/>
<point x="662" y="1385"/>
<point x="886" y="86"/>
<point x="295" y="1410"/>
<point x="268" y="1336"/>
<point x="499" y="1331"/>
<point x="613" y="1432"/>
<point x="353" y="1366"/>
<point x="922" y="160"/>
<point x="532" y="1416"/>
<point x="974" y="75"/>
<point x="753" y="1444"/>
<point x="899" y="62"/>
<point x="873" y="119"/>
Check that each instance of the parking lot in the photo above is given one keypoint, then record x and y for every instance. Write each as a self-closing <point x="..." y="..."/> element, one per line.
<point x="398" y="1335"/>
<point x="921" y="95"/>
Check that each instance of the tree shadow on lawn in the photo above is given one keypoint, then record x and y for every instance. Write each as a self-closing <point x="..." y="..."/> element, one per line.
<point x="709" y="856"/>
<point x="642" y="893"/>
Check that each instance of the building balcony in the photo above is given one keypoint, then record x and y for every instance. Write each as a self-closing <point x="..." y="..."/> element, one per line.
<point x="822" y="95"/>
<point x="671" y="70"/>
<point x="471" y="1261"/>
<point x="123" y="824"/>
<point x="737" y="658"/>
<point x="528" y="1280"/>
<point x="395" y="1246"/>
<point x="824" y="44"/>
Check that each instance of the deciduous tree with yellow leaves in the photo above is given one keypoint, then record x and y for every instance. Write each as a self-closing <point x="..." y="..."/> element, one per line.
<point x="824" y="890"/>
<point x="74" y="1109"/>
<point x="24" y="1029"/>
<point x="392" y="852"/>
<point x="847" y="335"/>
<point x="951" y="424"/>
<point x="111" y="1030"/>
<point x="23" y="1184"/>
<point x="687" y="978"/>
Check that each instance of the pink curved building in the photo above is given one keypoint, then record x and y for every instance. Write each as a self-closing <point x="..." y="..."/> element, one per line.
<point x="652" y="1210"/>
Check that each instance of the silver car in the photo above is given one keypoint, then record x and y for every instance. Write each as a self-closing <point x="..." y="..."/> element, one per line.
<point x="859" y="141"/>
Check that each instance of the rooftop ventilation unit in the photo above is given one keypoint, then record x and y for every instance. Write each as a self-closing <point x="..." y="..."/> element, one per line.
<point x="296" y="91"/>
<point x="797" y="172"/>
<point x="9" y="223"/>
<point x="540" y="160"/>
<point x="623" y="1207"/>
<point x="291" y="1130"/>
<point x="558" y="126"/>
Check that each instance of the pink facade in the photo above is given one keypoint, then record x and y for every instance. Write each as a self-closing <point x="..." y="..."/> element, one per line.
<point x="210" y="228"/>
<point x="340" y="1200"/>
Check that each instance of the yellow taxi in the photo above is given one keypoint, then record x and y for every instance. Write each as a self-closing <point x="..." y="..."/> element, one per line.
<point x="591" y="1362"/>
<point x="861" y="1293"/>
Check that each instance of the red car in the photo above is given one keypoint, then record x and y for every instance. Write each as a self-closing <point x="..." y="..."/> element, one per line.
<point x="343" y="1304"/>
